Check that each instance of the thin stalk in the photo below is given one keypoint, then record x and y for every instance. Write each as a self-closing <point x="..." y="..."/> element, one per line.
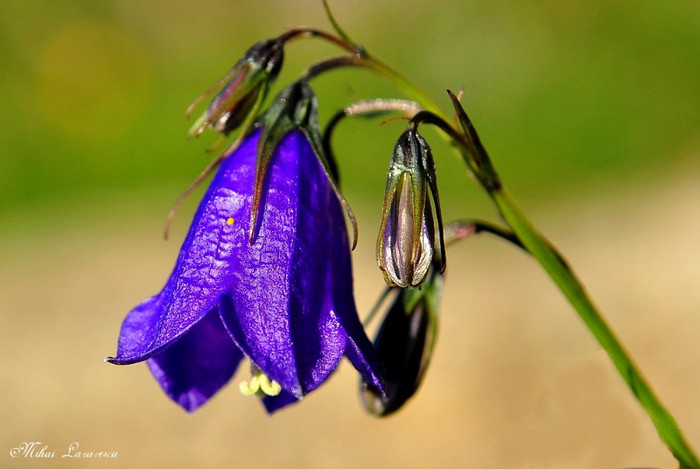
<point x="303" y="32"/>
<point x="537" y="245"/>
<point x="573" y="290"/>
<point x="335" y="24"/>
<point x="565" y="279"/>
<point x="359" y="57"/>
<point x="408" y="87"/>
<point x="364" y="60"/>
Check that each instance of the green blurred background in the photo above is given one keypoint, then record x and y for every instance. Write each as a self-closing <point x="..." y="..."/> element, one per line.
<point x="591" y="111"/>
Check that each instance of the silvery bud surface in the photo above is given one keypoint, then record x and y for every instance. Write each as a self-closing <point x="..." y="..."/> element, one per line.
<point x="407" y="232"/>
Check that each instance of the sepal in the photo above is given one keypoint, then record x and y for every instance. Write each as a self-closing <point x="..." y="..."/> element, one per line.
<point x="478" y="159"/>
<point x="294" y="108"/>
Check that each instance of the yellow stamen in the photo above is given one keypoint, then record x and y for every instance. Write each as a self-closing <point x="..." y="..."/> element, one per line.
<point x="269" y="387"/>
<point x="261" y="385"/>
<point x="229" y="221"/>
<point x="248" y="388"/>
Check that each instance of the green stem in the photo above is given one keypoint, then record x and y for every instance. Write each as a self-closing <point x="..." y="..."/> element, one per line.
<point x="537" y="245"/>
<point x="404" y="84"/>
<point x="573" y="290"/>
<point x="335" y="24"/>
<point x="570" y="286"/>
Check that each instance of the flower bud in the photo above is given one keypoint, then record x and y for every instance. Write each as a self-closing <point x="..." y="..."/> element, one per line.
<point x="407" y="231"/>
<point x="404" y="344"/>
<point x="246" y="84"/>
<point x="408" y="333"/>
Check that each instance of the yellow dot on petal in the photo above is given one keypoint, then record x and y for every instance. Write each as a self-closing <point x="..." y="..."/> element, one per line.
<point x="229" y="221"/>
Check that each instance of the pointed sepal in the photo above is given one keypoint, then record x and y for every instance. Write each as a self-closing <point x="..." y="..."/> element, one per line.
<point x="478" y="159"/>
<point x="294" y="108"/>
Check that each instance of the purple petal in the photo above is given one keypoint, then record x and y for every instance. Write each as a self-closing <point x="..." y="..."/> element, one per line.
<point x="359" y="349"/>
<point x="278" y="309"/>
<point x="274" y="403"/>
<point x="137" y="329"/>
<point x="195" y="367"/>
<point x="203" y="268"/>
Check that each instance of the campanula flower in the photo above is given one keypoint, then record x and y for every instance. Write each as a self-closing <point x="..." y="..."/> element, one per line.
<point x="283" y="300"/>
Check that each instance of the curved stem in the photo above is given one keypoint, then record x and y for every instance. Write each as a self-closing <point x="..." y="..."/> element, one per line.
<point x="335" y="24"/>
<point x="303" y="32"/>
<point x="408" y="87"/>
<point x="460" y="229"/>
<point x="478" y="162"/>
<point x="553" y="263"/>
<point x="360" y="58"/>
<point x="474" y="153"/>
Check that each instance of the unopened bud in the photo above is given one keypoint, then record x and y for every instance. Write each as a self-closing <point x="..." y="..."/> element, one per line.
<point x="407" y="231"/>
<point x="404" y="344"/>
<point x="246" y="83"/>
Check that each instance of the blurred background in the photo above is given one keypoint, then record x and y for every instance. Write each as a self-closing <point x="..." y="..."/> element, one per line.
<point x="590" y="110"/>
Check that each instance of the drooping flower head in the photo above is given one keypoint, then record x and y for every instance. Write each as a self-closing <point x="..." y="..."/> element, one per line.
<point x="281" y="298"/>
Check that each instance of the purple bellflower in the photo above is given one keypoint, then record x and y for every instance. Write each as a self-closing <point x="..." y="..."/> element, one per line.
<point x="283" y="300"/>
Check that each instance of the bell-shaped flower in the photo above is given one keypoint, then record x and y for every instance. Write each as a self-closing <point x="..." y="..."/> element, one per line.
<point x="283" y="300"/>
<point x="407" y="232"/>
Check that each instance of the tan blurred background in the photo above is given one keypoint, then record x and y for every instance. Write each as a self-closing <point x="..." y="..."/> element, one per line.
<point x="591" y="111"/>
